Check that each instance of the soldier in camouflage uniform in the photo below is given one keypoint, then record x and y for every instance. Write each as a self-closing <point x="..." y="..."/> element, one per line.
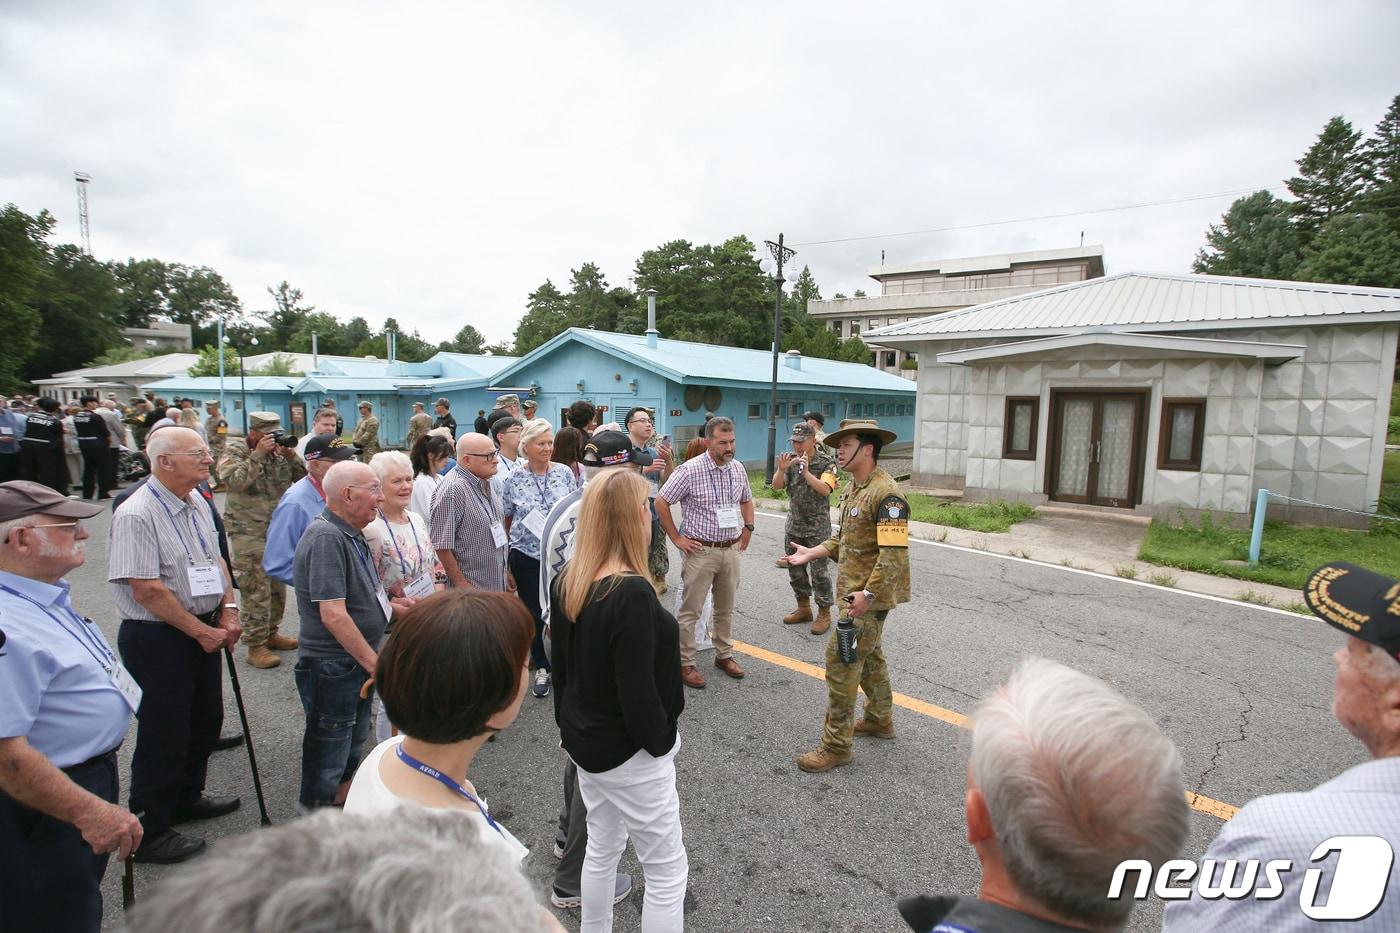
<point x="216" y="430"/>
<point x="808" y="473"/>
<point x="366" y="435"/>
<point x="418" y="425"/>
<point x="256" y="473"/>
<point x="871" y="549"/>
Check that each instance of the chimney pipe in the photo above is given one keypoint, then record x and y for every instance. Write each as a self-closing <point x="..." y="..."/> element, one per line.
<point x="652" y="332"/>
<point x="315" y="362"/>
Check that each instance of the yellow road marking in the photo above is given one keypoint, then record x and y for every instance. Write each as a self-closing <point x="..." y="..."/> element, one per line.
<point x="1199" y="802"/>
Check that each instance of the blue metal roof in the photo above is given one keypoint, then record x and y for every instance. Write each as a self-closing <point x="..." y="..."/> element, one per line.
<point x="232" y="383"/>
<point x="465" y="365"/>
<point x="685" y="362"/>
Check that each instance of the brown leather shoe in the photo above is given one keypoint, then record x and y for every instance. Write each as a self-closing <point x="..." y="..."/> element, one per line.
<point x="823" y="622"/>
<point x="730" y="667"/>
<point x="692" y="678"/>
<point x="866" y="727"/>
<point x="279" y="642"/>
<point x="803" y="612"/>
<point x="822" y="759"/>
<point x="259" y="656"/>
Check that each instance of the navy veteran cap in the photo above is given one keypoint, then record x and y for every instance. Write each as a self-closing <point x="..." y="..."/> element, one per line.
<point x="613" y="448"/>
<point x="329" y="447"/>
<point x="1358" y="602"/>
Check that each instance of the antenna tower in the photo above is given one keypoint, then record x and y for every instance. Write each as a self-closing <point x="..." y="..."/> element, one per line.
<point x="82" y="179"/>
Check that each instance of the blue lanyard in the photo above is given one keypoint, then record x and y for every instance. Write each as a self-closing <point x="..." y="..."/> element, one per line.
<point x="447" y="782"/>
<point x="403" y="564"/>
<point x="86" y="639"/>
<point x="491" y="510"/>
<point x="193" y="524"/>
<point x="541" y="484"/>
<point x="728" y="475"/>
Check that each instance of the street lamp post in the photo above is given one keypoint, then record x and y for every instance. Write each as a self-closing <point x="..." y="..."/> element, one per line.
<point x="242" y="375"/>
<point x="781" y="254"/>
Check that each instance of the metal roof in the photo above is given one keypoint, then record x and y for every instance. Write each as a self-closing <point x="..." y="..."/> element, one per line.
<point x="1180" y="346"/>
<point x="1139" y="301"/>
<point x="1000" y="261"/>
<point x="232" y="383"/>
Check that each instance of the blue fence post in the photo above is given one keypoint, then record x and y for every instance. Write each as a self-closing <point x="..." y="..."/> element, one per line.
<point x="1256" y="538"/>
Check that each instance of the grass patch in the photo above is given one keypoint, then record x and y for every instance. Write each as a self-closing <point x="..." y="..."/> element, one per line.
<point x="1288" y="555"/>
<point x="993" y="517"/>
<point x="1126" y="571"/>
<point x="1162" y="578"/>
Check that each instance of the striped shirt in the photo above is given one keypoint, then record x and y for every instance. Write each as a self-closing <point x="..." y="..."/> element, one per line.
<point x="156" y="535"/>
<point x="700" y="486"/>
<point x="464" y="509"/>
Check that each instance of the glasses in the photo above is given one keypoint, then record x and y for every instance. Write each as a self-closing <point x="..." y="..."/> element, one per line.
<point x="493" y="455"/>
<point x="188" y="453"/>
<point x="74" y="525"/>
<point x="640" y="421"/>
<point x="508" y="431"/>
<point x="375" y="488"/>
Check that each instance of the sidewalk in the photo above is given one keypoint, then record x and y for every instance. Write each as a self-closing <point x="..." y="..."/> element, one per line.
<point x="1098" y="542"/>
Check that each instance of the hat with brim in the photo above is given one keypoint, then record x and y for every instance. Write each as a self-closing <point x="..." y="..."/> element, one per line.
<point x="328" y="447"/>
<point x="1357" y="601"/>
<point x="859" y="426"/>
<point x="19" y="498"/>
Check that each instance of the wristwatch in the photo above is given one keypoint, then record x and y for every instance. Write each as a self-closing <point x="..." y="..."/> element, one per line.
<point x="869" y="596"/>
<point x="233" y="606"/>
<point x="748" y="526"/>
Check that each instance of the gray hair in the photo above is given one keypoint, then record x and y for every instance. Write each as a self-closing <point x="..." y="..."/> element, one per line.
<point x="717" y="423"/>
<point x="173" y="414"/>
<point x="533" y="429"/>
<point x="340" y="477"/>
<point x="24" y="521"/>
<point x="414" y="869"/>
<point x="1076" y="779"/>
<point x="382" y="461"/>
<point x="168" y="440"/>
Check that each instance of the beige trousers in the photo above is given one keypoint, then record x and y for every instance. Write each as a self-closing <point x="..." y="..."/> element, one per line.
<point x="709" y="568"/>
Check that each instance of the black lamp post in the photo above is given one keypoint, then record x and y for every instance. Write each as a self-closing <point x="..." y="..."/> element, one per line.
<point x="242" y="376"/>
<point x="781" y="254"/>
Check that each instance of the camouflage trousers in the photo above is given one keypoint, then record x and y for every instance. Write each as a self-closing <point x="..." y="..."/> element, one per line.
<point x="813" y="579"/>
<point x="658" y="558"/>
<point x="868" y="672"/>
<point x="216" y="452"/>
<point x="262" y="600"/>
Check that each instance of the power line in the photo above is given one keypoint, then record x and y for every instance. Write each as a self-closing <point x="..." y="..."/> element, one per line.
<point x="1022" y="220"/>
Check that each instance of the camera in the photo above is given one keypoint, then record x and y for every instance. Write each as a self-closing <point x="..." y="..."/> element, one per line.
<point x="283" y="439"/>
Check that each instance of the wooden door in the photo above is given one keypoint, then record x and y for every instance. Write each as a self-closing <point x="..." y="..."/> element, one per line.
<point x="1097" y="447"/>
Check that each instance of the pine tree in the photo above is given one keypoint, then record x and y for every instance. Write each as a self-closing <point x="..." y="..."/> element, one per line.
<point x="1255" y="238"/>
<point x="1331" y="176"/>
<point x="1382" y="153"/>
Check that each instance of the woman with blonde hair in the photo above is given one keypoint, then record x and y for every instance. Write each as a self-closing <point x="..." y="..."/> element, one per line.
<point x="618" y="695"/>
<point x="189" y="418"/>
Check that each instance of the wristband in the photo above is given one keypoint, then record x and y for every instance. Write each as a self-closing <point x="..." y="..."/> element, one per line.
<point x="233" y="606"/>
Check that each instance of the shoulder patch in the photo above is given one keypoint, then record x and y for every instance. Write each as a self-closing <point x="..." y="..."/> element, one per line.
<point x="892" y="522"/>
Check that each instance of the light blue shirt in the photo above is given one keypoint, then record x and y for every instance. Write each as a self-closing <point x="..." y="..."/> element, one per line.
<point x="523" y="491"/>
<point x="295" y="512"/>
<point x="55" y="689"/>
<point x="11" y="430"/>
<point x="1362" y="801"/>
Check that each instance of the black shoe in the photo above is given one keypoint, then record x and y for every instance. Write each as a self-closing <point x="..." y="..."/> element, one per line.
<point x="205" y="808"/>
<point x="168" y="848"/>
<point x="228" y="741"/>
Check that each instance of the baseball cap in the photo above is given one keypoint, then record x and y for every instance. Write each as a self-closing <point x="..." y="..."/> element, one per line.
<point x="1357" y="601"/>
<point x="19" y="498"/>
<point x="803" y="430"/>
<point x="329" y="447"/>
<point x="264" y="421"/>
<point x="612" y="448"/>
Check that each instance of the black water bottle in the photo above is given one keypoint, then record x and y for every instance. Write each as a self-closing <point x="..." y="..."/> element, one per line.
<point x="846" y="640"/>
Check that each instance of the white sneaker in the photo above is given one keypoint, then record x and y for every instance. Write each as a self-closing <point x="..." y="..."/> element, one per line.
<point x="541" y="687"/>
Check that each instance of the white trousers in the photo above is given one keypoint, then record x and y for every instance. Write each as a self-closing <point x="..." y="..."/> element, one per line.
<point x="637" y="799"/>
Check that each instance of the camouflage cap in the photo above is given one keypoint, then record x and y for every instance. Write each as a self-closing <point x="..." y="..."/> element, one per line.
<point x="264" y="421"/>
<point x="804" y="430"/>
<point x="503" y="400"/>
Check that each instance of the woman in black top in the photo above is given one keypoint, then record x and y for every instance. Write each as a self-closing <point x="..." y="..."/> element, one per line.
<point x="617" y="696"/>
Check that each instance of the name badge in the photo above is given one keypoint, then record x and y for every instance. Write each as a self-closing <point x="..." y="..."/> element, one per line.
<point x="498" y="534"/>
<point x="124" y="682"/>
<point x="420" y="586"/>
<point x="534" y="523"/>
<point x="7" y="432"/>
<point x="205" y="581"/>
<point x="385" y="604"/>
<point x="727" y="516"/>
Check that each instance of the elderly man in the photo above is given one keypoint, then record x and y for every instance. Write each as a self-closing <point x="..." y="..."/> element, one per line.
<point x="1066" y="779"/>
<point x="467" y="526"/>
<point x="714" y="493"/>
<point x="419" y="424"/>
<point x="301" y="504"/>
<point x="344" y="613"/>
<point x="366" y="436"/>
<point x="66" y="703"/>
<point x="257" y="471"/>
<point x="175" y="597"/>
<point x="1362" y="803"/>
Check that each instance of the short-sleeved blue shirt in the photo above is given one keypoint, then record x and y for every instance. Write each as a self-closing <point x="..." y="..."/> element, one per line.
<point x="523" y="491"/>
<point x="54" y="690"/>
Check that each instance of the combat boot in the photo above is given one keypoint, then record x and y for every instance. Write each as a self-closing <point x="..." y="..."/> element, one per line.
<point x="822" y="759"/>
<point x="259" y="656"/>
<point x="279" y="642"/>
<point x="868" y="727"/>
<point x="823" y="622"/>
<point x="803" y="612"/>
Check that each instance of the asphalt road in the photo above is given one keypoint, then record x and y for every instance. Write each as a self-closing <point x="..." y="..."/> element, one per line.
<point x="1245" y="692"/>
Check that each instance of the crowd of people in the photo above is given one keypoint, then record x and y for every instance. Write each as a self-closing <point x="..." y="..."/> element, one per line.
<point x="435" y="587"/>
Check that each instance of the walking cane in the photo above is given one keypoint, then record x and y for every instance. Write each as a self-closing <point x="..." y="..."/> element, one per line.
<point x="247" y="735"/>
<point x="128" y="885"/>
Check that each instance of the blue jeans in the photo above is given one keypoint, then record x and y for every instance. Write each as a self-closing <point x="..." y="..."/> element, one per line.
<point x="338" y="724"/>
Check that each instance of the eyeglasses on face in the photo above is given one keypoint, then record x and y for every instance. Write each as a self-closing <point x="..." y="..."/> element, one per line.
<point x="493" y="455"/>
<point x="188" y="453"/>
<point x="375" y="488"/>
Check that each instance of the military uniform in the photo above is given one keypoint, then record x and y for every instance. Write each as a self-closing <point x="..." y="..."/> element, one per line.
<point x="418" y="425"/>
<point x="255" y="483"/>
<point x="809" y="524"/>
<point x="216" y="430"/>
<point x="366" y="437"/>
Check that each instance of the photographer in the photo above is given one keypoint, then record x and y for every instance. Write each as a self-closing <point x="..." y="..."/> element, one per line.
<point x="808" y="473"/>
<point x="257" y="471"/>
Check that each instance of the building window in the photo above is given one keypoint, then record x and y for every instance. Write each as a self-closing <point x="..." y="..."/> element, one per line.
<point x="836" y="328"/>
<point x="855" y="328"/>
<point x="829" y="409"/>
<point x="889" y="359"/>
<point x="1182" y="432"/>
<point x="755" y="410"/>
<point x="1019" y="428"/>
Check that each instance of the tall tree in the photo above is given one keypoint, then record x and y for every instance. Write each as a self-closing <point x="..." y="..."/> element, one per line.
<point x="23" y="265"/>
<point x="76" y="299"/>
<point x="1255" y="238"/>
<point x="1331" y="175"/>
<point x="1354" y="249"/>
<point x="711" y="293"/>
<point x="1382" y="153"/>
<point x="546" y="316"/>
<point x="287" y="314"/>
<point x="466" y="340"/>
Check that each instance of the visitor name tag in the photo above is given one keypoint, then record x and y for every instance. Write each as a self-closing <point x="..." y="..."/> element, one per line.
<point x="124" y="682"/>
<point x="7" y="432"/>
<point x="498" y="534"/>
<point x="419" y="586"/>
<point x="728" y="516"/>
<point x="385" y="604"/>
<point x="205" y="581"/>
<point x="534" y="523"/>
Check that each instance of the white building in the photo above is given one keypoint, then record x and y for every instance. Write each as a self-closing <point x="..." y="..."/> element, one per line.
<point x="1159" y="392"/>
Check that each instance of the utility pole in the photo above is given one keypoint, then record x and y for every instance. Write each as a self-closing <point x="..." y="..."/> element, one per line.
<point x="781" y="254"/>
<point x="82" y="179"/>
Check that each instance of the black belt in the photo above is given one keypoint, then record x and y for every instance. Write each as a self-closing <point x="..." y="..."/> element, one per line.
<point x="104" y="758"/>
<point x="716" y="543"/>
<point x="210" y="618"/>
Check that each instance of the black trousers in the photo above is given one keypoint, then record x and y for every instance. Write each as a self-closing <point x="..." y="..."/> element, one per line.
<point x="573" y="824"/>
<point x="109" y="469"/>
<point x="526" y="571"/>
<point x="182" y="709"/>
<point x="9" y="467"/>
<point x="44" y="464"/>
<point x="94" y="468"/>
<point x="50" y="879"/>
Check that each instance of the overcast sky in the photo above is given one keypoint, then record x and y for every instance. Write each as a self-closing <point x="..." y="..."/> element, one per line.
<point x="436" y="162"/>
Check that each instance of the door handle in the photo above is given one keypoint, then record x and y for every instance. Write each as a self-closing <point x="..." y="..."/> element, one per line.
<point x="1096" y="447"/>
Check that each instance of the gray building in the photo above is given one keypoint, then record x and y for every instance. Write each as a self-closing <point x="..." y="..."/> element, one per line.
<point x="912" y="291"/>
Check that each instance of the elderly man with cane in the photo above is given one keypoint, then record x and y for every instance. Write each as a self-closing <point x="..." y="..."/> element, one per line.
<point x="65" y="705"/>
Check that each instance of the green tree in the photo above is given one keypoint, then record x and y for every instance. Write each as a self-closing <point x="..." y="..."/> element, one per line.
<point x="1354" y="249"/>
<point x="141" y="286"/>
<point x="1255" y="238"/>
<point x="279" y="364"/>
<point x="208" y="362"/>
<point x="76" y="295"/>
<point x="1382" y="154"/>
<point x="1331" y="175"/>
<point x="287" y="314"/>
<point x="329" y="331"/>
<point x="822" y="343"/>
<point x="23" y="265"/>
<point x="356" y="333"/>
<point x="466" y="340"/>
<point x="853" y="350"/>
<point x="546" y="316"/>
<point x="710" y="293"/>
